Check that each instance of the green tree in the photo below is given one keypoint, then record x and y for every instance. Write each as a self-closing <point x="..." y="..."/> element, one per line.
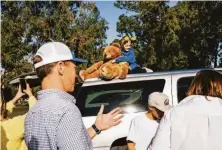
<point x="210" y="29"/>
<point x="184" y="36"/>
<point x="200" y="33"/>
<point x="89" y="33"/>
<point x="13" y="46"/>
<point x="148" y="25"/>
<point x="28" y="25"/>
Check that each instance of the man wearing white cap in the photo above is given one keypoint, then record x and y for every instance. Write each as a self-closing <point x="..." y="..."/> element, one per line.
<point x="55" y="122"/>
<point x="143" y="127"/>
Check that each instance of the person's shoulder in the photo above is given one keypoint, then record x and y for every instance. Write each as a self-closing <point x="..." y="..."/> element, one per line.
<point x="186" y="105"/>
<point x="188" y="99"/>
<point x="191" y="100"/>
<point x="198" y="104"/>
<point x="140" y="117"/>
<point x="53" y="105"/>
<point x="53" y="112"/>
<point x="67" y="106"/>
<point x="64" y="105"/>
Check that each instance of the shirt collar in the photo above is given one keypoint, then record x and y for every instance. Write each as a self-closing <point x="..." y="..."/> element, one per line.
<point x="127" y="50"/>
<point x="44" y="94"/>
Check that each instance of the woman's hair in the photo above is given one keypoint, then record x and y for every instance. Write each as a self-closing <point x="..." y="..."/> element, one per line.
<point x="4" y="111"/>
<point x="207" y="83"/>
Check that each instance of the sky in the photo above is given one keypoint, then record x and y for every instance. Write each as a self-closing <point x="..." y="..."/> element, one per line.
<point x="111" y="14"/>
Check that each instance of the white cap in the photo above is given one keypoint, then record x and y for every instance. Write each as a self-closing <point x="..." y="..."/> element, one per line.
<point x="55" y="51"/>
<point x="159" y="101"/>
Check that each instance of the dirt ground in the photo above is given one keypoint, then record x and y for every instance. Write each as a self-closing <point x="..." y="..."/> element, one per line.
<point x="19" y="110"/>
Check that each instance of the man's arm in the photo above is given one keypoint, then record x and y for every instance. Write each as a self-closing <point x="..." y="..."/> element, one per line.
<point x="131" y="145"/>
<point x="105" y="121"/>
<point x="92" y="132"/>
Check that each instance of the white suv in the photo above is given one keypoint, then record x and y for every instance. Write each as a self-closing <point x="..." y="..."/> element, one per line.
<point x="131" y="94"/>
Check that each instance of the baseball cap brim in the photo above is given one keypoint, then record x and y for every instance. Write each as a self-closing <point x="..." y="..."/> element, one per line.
<point x="163" y="108"/>
<point x="78" y="60"/>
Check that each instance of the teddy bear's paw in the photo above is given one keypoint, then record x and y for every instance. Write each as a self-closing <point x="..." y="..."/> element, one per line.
<point x="81" y="75"/>
<point x="122" y="77"/>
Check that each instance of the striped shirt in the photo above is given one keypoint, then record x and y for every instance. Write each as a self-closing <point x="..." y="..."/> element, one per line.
<point x="55" y="122"/>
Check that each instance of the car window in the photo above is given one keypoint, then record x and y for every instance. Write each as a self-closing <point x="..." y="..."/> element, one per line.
<point x="131" y="96"/>
<point x="182" y="87"/>
<point x="77" y="88"/>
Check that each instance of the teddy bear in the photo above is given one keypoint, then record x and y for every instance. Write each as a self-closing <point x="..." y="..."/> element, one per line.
<point x="113" y="70"/>
<point x="106" y="69"/>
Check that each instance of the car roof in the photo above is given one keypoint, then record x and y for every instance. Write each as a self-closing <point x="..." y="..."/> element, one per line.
<point x="32" y="75"/>
<point x="98" y="81"/>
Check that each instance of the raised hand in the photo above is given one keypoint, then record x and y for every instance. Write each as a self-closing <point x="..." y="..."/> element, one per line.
<point x="19" y="94"/>
<point x="106" y="121"/>
<point x="28" y="90"/>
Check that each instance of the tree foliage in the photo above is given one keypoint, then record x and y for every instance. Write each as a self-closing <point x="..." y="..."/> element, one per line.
<point x="187" y="35"/>
<point x="26" y="25"/>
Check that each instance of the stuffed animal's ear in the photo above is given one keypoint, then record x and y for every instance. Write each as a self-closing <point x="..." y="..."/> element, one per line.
<point x="103" y="48"/>
<point x="116" y="45"/>
<point x="133" y="38"/>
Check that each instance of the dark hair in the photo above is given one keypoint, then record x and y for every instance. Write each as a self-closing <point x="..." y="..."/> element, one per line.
<point x="42" y="71"/>
<point x="4" y="111"/>
<point x="207" y="83"/>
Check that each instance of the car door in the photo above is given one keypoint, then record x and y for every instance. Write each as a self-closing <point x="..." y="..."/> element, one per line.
<point x="180" y="85"/>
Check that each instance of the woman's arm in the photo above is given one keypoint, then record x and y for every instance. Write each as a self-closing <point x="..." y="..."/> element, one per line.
<point x="11" y="104"/>
<point x="32" y="100"/>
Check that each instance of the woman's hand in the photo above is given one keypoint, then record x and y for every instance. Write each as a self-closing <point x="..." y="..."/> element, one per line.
<point x="28" y="90"/>
<point x="19" y="94"/>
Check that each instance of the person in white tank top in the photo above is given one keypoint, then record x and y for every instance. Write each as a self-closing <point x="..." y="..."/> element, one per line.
<point x="143" y="127"/>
